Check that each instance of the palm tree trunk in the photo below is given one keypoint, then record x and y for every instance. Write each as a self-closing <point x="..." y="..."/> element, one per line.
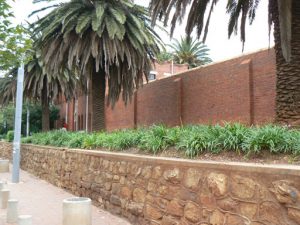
<point x="98" y="100"/>
<point x="45" y="108"/>
<point x="288" y="73"/>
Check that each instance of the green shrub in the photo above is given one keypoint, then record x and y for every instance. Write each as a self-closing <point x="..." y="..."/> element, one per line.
<point x="276" y="139"/>
<point x="10" y="136"/>
<point x="197" y="139"/>
<point x="27" y="140"/>
<point x="155" y="139"/>
<point x="120" y="140"/>
<point x="90" y="141"/>
<point x="76" y="140"/>
<point x="192" y="140"/>
<point x="232" y="136"/>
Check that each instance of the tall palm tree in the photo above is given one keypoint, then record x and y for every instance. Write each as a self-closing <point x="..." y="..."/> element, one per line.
<point x="283" y="14"/>
<point x="109" y="40"/>
<point x="8" y="87"/>
<point x="191" y="52"/>
<point x="40" y="86"/>
<point x="47" y="87"/>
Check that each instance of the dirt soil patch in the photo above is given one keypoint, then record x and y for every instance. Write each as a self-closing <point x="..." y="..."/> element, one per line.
<point x="224" y="156"/>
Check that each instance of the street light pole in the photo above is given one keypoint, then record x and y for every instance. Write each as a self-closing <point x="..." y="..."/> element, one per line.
<point x="87" y="107"/>
<point x="27" y="120"/>
<point x="17" y="132"/>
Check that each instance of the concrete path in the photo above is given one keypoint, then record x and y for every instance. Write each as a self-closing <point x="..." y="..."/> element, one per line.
<point x="44" y="202"/>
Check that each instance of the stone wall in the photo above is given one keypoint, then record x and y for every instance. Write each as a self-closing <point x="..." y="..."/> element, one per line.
<point x="152" y="190"/>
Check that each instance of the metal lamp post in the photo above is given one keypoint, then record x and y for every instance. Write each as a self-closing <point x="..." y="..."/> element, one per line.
<point x="17" y="132"/>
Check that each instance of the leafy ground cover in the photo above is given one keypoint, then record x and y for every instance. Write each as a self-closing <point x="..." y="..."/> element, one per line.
<point x="190" y="141"/>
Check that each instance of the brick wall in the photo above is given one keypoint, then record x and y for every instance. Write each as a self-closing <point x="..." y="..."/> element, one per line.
<point x="238" y="90"/>
<point x="160" y="191"/>
<point x="165" y="69"/>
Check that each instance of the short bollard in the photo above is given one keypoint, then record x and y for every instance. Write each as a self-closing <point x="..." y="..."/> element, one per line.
<point x="77" y="211"/>
<point x="2" y="183"/>
<point x="12" y="211"/>
<point x="1" y="188"/>
<point x="25" y="220"/>
<point x="4" y="198"/>
<point x="4" y="166"/>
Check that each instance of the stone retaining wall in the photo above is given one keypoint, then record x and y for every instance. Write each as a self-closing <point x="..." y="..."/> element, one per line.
<point x="153" y="190"/>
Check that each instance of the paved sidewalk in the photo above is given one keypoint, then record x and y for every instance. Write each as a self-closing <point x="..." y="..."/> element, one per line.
<point x="44" y="202"/>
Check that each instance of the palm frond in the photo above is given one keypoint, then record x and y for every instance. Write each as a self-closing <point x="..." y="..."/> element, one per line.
<point x="115" y="37"/>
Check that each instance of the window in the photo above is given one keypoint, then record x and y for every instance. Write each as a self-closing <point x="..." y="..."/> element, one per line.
<point x="152" y="75"/>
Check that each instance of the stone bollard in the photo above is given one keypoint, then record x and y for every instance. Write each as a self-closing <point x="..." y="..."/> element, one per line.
<point x="77" y="211"/>
<point x="4" y="165"/>
<point x="4" y="198"/>
<point x="12" y="211"/>
<point x="25" y="220"/>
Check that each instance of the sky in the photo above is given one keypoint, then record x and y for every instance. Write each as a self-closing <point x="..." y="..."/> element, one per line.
<point x="221" y="48"/>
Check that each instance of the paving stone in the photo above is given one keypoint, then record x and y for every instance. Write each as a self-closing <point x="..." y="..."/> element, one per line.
<point x="44" y="202"/>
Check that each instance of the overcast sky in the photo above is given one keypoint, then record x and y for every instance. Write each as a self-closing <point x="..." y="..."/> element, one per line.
<point x="221" y="48"/>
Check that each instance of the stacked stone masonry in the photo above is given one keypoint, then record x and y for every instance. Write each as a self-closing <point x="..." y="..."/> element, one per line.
<point x="160" y="191"/>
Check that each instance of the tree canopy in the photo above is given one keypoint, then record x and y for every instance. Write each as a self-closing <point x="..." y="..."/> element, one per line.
<point x="15" y="45"/>
<point x="199" y="14"/>
<point x="5" y="15"/>
<point x="112" y="36"/>
<point x="191" y="52"/>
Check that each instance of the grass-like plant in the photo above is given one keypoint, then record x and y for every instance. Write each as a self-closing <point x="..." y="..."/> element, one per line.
<point x="192" y="140"/>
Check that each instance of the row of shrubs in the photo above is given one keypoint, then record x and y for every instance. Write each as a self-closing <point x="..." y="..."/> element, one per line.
<point x="192" y="140"/>
<point x="9" y="136"/>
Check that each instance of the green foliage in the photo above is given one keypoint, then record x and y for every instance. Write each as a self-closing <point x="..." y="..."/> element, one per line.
<point x="5" y="16"/>
<point x="27" y="140"/>
<point x="232" y="136"/>
<point x="164" y="56"/>
<point x="13" y="51"/>
<point x="191" y="52"/>
<point x="276" y="139"/>
<point x="7" y="118"/>
<point x="154" y="139"/>
<point x="192" y="140"/>
<point x="199" y="13"/>
<point x="10" y="136"/>
<point x="112" y="37"/>
<point x="121" y="140"/>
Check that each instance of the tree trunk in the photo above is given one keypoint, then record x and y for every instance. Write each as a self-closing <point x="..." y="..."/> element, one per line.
<point x="45" y="108"/>
<point x="288" y="73"/>
<point x="98" y="100"/>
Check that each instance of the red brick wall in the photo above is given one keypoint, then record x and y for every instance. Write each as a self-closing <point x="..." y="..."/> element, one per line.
<point x="165" y="68"/>
<point x="121" y="116"/>
<point x="215" y="93"/>
<point x="241" y="89"/>
<point x="264" y="86"/>
<point x="158" y="102"/>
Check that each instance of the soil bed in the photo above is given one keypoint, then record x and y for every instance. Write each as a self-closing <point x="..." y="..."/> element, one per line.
<point x="224" y="156"/>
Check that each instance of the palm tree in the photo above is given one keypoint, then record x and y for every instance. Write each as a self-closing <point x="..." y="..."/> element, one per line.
<point x="108" y="40"/>
<point x="283" y="14"/>
<point x="47" y="87"/>
<point x="8" y="87"/>
<point x="40" y="86"/>
<point x="191" y="52"/>
<point x="164" y="56"/>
